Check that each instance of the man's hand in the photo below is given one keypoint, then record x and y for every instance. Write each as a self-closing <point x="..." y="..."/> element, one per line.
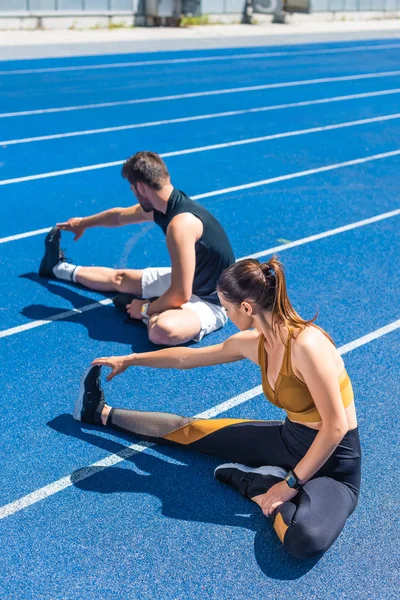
<point x="134" y="308"/>
<point x="116" y="363"/>
<point x="73" y="225"/>
<point x="276" y="495"/>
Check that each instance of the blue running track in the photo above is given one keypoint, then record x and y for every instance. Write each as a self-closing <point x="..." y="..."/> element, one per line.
<point x="287" y="144"/>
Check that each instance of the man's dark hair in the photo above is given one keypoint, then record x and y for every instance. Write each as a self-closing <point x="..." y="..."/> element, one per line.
<point x="146" y="167"/>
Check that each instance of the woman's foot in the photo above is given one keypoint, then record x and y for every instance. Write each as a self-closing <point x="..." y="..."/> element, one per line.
<point x="250" y="482"/>
<point x="90" y="403"/>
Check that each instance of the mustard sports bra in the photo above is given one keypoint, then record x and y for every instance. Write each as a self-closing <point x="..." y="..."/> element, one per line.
<point x="290" y="393"/>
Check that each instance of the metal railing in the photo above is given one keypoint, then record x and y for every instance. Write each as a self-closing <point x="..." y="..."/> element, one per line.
<point x="208" y="7"/>
<point x="354" y="5"/>
<point x="84" y="6"/>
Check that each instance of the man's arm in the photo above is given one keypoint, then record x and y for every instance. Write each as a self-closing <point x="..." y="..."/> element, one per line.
<point x="182" y="234"/>
<point x="114" y="217"/>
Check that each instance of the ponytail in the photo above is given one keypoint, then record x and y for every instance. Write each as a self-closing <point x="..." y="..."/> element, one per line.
<point x="264" y="284"/>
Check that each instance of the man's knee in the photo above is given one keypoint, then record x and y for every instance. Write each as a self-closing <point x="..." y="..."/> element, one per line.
<point x="122" y="280"/>
<point x="162" y="332"/>
<point x="117" y="277"/>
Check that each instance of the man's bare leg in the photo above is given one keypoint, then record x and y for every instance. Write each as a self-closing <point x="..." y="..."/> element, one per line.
<point x="170" y="328"/>
<point x="174" y="327"/>
<point x="103" y="279"/>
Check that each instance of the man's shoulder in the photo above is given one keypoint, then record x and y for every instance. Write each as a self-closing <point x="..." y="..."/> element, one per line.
<point x="185" y="222"/>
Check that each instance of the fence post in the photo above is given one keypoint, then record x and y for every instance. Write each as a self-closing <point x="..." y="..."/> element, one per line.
<point x="246" y="15"/>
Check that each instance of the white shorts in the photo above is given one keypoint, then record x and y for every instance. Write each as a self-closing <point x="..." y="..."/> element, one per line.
<point x="156" y="281"/>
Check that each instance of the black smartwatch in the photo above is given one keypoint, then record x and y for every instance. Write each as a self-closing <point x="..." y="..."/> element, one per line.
<point x="293" y="481"/>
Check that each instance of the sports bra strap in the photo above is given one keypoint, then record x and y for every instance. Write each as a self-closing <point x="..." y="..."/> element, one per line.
<point x="287" y="358"/>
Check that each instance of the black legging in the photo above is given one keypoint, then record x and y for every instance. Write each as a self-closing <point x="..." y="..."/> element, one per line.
<point x="313" y="519"/>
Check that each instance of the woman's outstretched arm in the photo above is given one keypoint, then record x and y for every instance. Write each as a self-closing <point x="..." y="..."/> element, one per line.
<point x="237" y="347"/>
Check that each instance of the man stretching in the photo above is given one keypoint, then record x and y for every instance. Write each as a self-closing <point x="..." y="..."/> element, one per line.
<point x="186" y="305"/>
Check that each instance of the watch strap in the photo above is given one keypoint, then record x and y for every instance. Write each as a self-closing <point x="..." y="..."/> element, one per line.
<point x="143" y="312"/>
<point x="293" y="481"/>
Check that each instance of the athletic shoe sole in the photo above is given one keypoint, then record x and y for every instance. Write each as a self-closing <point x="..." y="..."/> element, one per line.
<point x="44" y="269"/>
<point x="266" y="470"/>
<point x="121" y="300"/>
<point x="77" y="414"/>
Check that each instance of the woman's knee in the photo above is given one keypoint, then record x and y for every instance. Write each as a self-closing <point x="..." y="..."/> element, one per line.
<point x="305" y="541"/>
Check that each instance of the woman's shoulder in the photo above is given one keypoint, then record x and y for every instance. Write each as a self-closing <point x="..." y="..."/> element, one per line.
<point x="248" y="342"/>
<point x="250" y="336"/>
<point x="310" y="340"/>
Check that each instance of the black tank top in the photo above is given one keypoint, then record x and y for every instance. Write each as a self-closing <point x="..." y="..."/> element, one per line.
<point x="213" y="250"/>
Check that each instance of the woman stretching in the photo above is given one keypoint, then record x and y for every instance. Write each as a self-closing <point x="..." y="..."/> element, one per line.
<point x="304" y="473"/>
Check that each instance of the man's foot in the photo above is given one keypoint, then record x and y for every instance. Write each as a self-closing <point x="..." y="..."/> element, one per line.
<point x="249" y="481"/>
<point x="52" y="255"/>
<point x="90" y="402"/>
<point x="121" y="300"/>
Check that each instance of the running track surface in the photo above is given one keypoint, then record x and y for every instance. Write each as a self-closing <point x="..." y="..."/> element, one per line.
<point x="82" y="516"/>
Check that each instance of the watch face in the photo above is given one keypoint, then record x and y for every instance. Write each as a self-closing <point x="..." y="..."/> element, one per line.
<point x="143" y="312"/>
<point x="291" y="481"/>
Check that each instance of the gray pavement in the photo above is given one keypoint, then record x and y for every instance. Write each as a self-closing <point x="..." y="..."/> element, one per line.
<point x="58" y="43"/>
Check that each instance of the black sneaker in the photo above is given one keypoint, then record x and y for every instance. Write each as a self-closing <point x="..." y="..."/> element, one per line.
<point x="90" y="402"/>
<point x="52" y="255"/>
<point x="121" y="300"/>
<point x="248" y="481"/>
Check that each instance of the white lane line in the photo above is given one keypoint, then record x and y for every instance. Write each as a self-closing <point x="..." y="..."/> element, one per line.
<point x="348" y="163"/>
<point x="252" y="88"/>
<point x="198" y="59"/>
<point x="365" y="339"/>
<point x="113" y="459"/>
<point x="210" y="148"/>
<point x="326" y="234"/>
<point x="20" y="236"/>
<point x="231" y="113"/>
<point x="228" y="404"/>
<point x="251" y="185"/>
<point x="58" y="317"/>
<point x="301" y="242"/>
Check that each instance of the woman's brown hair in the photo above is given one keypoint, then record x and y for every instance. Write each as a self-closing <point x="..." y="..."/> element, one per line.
<point x="264" y="284"/>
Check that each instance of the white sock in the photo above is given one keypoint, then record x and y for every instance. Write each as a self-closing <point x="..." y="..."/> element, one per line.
<point x="65" y="271"/>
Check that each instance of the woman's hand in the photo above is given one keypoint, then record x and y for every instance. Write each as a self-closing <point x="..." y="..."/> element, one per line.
<point x="118" y="364"/>
<point x="276" y="495"/>
<point x="74" y="225"/>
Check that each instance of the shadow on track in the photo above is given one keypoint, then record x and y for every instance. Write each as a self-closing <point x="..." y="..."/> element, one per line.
<point x="205" y="501"/>
<point x="105" y="324"/>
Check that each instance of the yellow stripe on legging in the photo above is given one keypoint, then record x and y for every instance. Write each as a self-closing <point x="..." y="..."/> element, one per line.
<point x="199" y="429"/>
<point x="280" y="527"/>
